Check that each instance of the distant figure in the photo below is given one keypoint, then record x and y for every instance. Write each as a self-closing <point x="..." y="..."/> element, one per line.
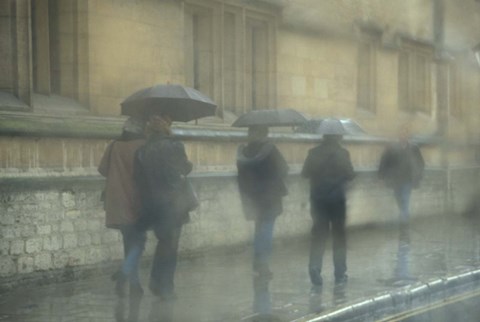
<point x="122" y="201"/>
<point x="401" y="167"/>
<point x="160" y="169"/>
<point x="261" y="173"/>
<point x="329" y="169"/>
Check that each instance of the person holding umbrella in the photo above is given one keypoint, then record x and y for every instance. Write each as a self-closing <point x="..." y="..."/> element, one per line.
<point x="329" y="169"/>
<point x="261" y="173"/>
<point x="122" y="201"/>
<point x="160" y="171"/>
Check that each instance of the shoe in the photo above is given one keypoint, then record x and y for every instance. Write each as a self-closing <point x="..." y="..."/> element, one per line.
<point x="163" y="295"/>
<point x="315" y="276"/>
<point x="341" y="279"/>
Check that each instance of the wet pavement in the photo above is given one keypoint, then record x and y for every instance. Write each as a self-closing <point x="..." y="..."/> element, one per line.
<point x="220" y="287"/>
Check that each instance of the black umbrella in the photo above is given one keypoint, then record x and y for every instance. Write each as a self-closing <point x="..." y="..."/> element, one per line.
<point x="179" y="102"/>
<point x="273" y="117"/>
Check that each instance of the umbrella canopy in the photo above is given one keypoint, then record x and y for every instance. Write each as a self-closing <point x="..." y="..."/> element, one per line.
<point x="179" y="102"/>
<point x="350" y="127"/>
<point x="272" y="117"/>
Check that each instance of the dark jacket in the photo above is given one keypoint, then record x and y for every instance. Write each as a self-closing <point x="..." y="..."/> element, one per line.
<point x="261" y="172"/>
<point x="401" y="164"/>
<point x="329" y="168"/>
<point x="160" y="169"/>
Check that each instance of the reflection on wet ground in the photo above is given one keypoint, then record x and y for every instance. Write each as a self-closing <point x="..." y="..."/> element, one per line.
<point x="223" y="288"/>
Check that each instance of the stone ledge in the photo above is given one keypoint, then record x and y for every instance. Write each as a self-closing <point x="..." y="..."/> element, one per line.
<point x="408" y="298"/>
<point x="97" y="127"/>
<point x="66" y="181"/>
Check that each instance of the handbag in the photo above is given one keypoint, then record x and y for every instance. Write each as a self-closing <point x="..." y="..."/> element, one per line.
<point x="185" y="198"/>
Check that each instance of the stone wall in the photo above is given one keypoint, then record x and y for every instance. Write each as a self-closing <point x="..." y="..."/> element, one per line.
<point x="53" y="228"/>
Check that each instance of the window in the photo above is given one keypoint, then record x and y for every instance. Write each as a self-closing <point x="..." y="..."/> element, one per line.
<point x="229" y="54"/>
<point x="257" y="64"/>
<point x="199" y="49"/>
<point x="54" y="47"/>
<point x="414" y="77"/>
<point x="366" y="73"/>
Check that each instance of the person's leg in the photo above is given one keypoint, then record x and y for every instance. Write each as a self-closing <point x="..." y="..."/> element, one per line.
<point x="338" y="215"/>
<point x="263" y="243"/>
<point x="136" y="245"/>
<point x="165" y="261"/>
<point x="402" y="196"/>
<point x="319" y="236"/>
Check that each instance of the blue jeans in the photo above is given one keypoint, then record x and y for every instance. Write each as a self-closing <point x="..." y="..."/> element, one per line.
<point x="402" y="196"/>
<point x="133" y="246"/>
<point x="263" y="242"/>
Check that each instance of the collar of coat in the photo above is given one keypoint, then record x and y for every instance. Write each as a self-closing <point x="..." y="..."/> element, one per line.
<point x="265" y="148"/>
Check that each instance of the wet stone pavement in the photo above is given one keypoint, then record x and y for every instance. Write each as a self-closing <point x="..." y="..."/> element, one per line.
<point x="221" y="287"/>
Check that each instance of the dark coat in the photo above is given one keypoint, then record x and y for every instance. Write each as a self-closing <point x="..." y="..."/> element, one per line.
<point x="329" y="169"/>
<point x="160" y="169"/>
<point x="401" y="164"/>
<point x="261" y="173"/>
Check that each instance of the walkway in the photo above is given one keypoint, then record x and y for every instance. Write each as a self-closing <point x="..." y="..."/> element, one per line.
<point x="220" y="287"/>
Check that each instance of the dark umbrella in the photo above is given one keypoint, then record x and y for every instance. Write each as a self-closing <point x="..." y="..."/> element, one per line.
<point x="273" y="117"/>
<point x="179" y="102"/>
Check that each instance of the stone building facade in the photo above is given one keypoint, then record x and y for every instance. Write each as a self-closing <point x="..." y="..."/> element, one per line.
<point x="65" y="66"/>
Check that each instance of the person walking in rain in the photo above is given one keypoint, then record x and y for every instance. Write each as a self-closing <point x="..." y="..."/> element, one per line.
<point x="160" y="169"/>
<point x="401" y="167"/>
<point x="122" y="202"/>
<point x="261" y="172"/>
<point x="329" y="169"/>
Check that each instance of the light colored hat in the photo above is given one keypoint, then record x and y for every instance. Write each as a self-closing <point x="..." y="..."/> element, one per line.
<point x="331" y="126"/>
<point x="134" y="125"/>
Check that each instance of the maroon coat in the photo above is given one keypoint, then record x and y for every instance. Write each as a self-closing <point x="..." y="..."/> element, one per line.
<point x="122" y="202"/>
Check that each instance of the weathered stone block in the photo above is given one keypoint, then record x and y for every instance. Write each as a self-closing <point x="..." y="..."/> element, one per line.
<point x="95" y="225"/>
<point x="4" y="247"/>
<point x="72" y="214"/>
<point x="33" y="245"/>
<point x="69" y="241"/>
<point x="96" y="238"/>
<point x="68" y="199"/>
<point x="17" y="247"/>
<point x="60" y="259"/>
<point x="95" y="255"/>
<point x="76" y="257"/>
<point x="7" y="266"/>
<point x="80" y="224"/>
<point x="25" y="264"/>
<point x="44" y="229"/>
<point x="110" y="236"/>
<point x="6" y="232"/>
<point x="7" y="219"/>
<point x="66" y="226"/>
<point x="42" y="261"/>
<point x="53" y="242"/>
<point x="84" y="239"/>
